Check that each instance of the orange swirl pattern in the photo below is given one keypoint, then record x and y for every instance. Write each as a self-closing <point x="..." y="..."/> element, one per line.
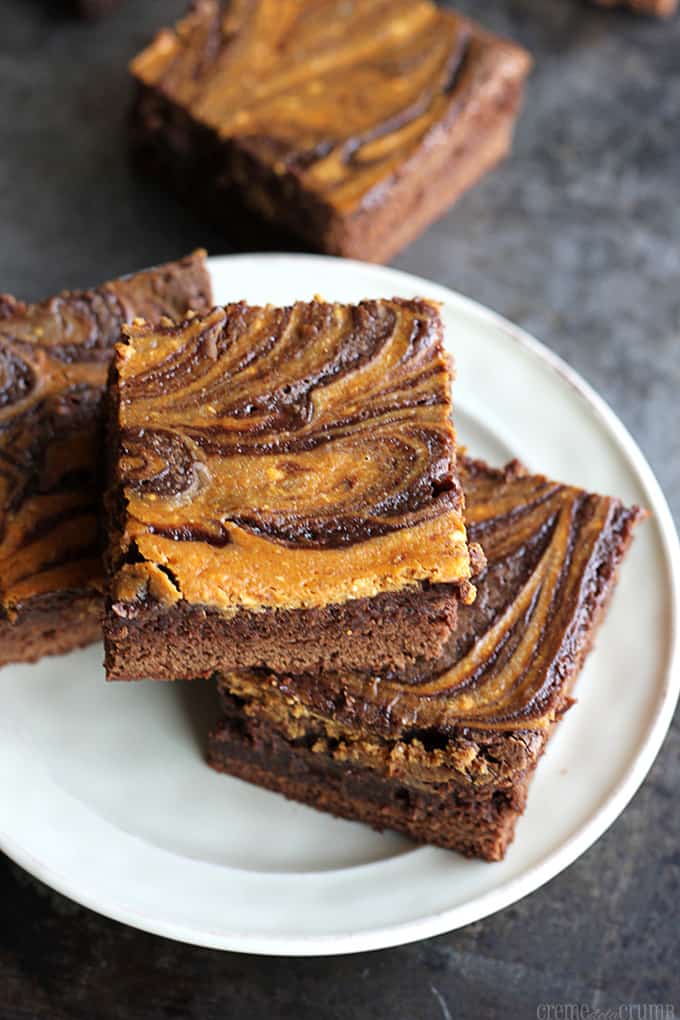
<point x="54" y="360"/>
<point x="552" y="553"/>
<point x="337" y="95"/>
<point x="287" y="457"/>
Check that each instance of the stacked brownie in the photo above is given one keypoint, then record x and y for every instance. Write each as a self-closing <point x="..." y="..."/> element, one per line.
<point x="394" y="631"/>
<point x="286" y="514"/>
<point x="444" y="751"/>
<point x="54" y="360"/>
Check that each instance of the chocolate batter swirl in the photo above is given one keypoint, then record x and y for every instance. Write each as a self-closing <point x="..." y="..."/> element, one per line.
<point x="306" y="452"/>
<point x="334" y="96"/>
<point x="552" y="554"/>
<point x="53" y="363"/>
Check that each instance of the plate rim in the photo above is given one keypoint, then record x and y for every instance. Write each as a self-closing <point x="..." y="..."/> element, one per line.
<point x="452" y="918"/>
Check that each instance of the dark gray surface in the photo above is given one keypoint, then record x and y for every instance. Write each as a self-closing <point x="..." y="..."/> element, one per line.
<point x="576" y="238"/>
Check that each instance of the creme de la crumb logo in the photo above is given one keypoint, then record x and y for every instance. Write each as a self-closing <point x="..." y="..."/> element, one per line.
<point x="624" y="1011"/>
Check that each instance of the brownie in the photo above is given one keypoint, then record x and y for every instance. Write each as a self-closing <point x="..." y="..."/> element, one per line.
<point x="445" y="751"/>
<point x="350" y="125"/>
<point x="54" y="359"/>
<point x="283" y="492"/>
<point x="661" y="8"/>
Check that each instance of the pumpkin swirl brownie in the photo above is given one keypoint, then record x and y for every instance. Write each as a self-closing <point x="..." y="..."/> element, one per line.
<point x="351" y="125"/>
<point x="444" y="752"/>
<point x="283" y="492"/>
<point x="54" y="359"/>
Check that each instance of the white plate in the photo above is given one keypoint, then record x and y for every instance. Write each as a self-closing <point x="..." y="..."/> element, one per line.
<point x="104" y="792"/>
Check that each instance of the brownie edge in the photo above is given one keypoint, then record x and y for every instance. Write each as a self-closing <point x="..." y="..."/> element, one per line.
<point x="186" y="642"/>
<point x="473" y="825"/>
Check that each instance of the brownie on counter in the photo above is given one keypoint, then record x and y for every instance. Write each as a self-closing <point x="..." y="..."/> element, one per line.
<point x="661" y="8"/>
<point x="283" y="492"/>
<point x="445" y="752"/>
<point x="54" y="359"/>
<point x="351" y="125"/>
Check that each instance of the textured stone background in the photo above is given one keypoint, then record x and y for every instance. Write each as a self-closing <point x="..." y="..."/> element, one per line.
<point x="577" y="239"/>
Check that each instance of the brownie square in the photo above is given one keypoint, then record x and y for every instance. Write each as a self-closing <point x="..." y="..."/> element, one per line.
<point x="350" y="125"/>
<point x="54" y="359"/>
<point x="283" y="492"/>
<point x="445" y="752"/>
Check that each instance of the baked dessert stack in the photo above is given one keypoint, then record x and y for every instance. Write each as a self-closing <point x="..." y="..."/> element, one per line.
<point x="286" y="515"/>
<point x="394" y="631"/>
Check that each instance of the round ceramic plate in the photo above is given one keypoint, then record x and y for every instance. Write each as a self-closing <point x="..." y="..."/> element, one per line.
<point x="105" y="795"/>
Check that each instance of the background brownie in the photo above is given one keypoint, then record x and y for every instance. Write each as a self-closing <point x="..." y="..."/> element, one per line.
<point x="352" y="125"/>
<point x="54" y="358"/>
<point x="445" y="753"/>
<point x="283" y="492"/>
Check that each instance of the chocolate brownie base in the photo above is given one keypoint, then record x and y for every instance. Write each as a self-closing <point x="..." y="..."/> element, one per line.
<point x="52" y="625"/>
<point x="476" y="826"/>
<point x="185" y="641"/>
